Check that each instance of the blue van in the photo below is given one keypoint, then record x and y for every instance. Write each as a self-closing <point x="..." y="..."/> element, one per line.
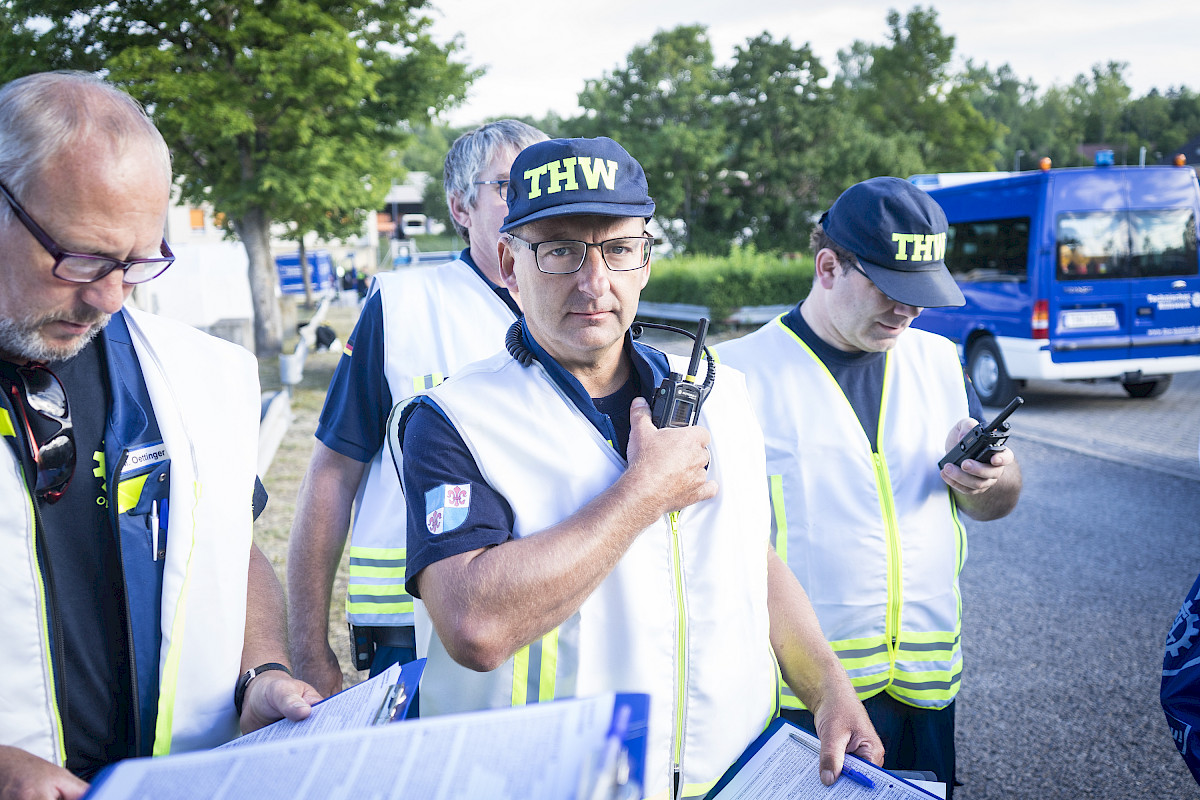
<point x="1073" y="274"/>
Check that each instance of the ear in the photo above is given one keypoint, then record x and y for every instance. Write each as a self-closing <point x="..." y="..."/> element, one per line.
<point x="459" y="211"/>
<point x="827" y="267"/>
<point x="508" y="261"/>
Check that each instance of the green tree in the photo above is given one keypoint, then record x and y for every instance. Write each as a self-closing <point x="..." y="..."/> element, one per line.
<point x="776" y="109"/>
<point x="268" y="106"/>
<point x="663" y="107"/>
<point x="906" y="86"/>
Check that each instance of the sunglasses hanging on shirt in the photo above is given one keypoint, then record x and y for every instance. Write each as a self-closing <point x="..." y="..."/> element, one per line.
<point x="35" y="388"/>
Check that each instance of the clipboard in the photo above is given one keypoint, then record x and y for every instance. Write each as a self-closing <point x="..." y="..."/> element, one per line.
<point x="762" y="758"/>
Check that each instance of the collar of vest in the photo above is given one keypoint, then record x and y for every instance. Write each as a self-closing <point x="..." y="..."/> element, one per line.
<point x="650" y="364"/>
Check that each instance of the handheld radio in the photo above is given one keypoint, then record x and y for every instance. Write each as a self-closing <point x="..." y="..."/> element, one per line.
<point x="981" y="442"/>
<point x="678" y="398"/>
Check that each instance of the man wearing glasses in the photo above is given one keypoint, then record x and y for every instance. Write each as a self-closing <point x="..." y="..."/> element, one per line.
<point x="131" y="595"/>
<point x="563" y="545"/>
<point x="418" y="326"/>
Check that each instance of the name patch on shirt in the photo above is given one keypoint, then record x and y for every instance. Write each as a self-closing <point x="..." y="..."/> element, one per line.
<point x="446" y="507"/>
<point x="143" y="458"/>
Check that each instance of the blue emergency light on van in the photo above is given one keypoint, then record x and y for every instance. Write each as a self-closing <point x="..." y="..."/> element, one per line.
<point x="1073" y="274"/>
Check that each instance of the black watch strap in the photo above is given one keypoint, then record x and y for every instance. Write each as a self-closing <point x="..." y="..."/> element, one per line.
<point x="239" y="690"/>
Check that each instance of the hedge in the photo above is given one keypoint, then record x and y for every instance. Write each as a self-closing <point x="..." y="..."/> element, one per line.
<point x="724" y="283"/>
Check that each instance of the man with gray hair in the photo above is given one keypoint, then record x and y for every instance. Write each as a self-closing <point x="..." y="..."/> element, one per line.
<point x="131" y="593"/>
<point x="417" y="327"/>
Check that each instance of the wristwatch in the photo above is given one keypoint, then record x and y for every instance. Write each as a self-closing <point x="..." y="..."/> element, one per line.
<point x="239" y="690"/>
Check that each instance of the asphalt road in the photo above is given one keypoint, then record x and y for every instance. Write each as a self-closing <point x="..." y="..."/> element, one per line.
<point x="1067" y="602"/>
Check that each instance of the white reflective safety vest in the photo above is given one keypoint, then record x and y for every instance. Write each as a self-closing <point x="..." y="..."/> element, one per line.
<point x="436" y="320"/>
<point x="206" y="400"/>
<point x="874" y="538"/>
<point x="682" y="617"/>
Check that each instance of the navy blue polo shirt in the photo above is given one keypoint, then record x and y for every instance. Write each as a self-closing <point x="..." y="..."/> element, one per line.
<point x="860" y="376"/>
<point x="354" y="418"/>
<point x="444" y="459"/>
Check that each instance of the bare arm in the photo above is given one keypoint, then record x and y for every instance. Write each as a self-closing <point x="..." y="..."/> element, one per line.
<point x="315" y="547"/>
<point x="272" y="695"/>
<point x="814" y="673"/>
<point x="24" y="776"/>
<point x="983" y="491"/>
<point x="488" y="603"/>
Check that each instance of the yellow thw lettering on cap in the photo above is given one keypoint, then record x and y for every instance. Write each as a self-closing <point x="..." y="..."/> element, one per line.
<point x="561" y="171"/>
<point x="594" y="169"/>
<point x="902" y="240"/>
<point x="922" y="247"/>
<point x="532" y="175"/>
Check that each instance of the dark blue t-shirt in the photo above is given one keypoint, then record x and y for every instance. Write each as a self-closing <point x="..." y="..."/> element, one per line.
<point x="436" y="460"/>
<point x="860" y="375"/>
<point x="354" y="418"/>
<point x="82" y="566"/>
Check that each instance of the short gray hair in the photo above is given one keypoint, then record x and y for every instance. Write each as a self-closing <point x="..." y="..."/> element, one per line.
<point x="471" y="152"/>
<point x="44" y="114"/>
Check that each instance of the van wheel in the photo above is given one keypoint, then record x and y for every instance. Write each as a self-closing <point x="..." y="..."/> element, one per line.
<point x="1148" y="388"/>
<point x="986" y="368"/>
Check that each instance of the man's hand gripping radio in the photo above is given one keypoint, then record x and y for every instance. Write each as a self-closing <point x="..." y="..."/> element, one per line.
<point x="982" y="442"/>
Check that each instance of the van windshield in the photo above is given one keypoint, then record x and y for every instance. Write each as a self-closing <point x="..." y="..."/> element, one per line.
<point x="1099" y="245"/>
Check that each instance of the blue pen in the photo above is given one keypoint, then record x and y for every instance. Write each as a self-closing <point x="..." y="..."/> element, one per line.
<point x="847" y="770"/>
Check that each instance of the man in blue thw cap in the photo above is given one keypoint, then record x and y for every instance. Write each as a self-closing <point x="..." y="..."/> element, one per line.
<point x="565" y="546"/>
<point x="857" y="411"/>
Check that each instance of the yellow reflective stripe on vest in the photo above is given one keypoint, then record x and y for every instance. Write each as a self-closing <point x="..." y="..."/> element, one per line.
<point x="376" y="581"/>
<point x="6" y="424"/>
<point x="423" y="383"/>
<point x="163" y="730"/>
<point x="780" y="540"/>
<point x="129" y="492"/>
<point x="535" y="666"/>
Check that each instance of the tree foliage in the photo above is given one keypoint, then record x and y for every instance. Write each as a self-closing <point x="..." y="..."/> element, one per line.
<point x="281" y="111"/>
<point x="665" y="108"/>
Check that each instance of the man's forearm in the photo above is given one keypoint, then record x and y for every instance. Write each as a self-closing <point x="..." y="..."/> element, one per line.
<point x="265" y="636"/>
<point x="489" y="603"/>
<point x="806" y="661"/>
<point x="315" y="546"/>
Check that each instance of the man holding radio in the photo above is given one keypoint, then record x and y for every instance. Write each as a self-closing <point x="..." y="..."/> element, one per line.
<point x="857" y="411"/>
<point x="563" y="545"/>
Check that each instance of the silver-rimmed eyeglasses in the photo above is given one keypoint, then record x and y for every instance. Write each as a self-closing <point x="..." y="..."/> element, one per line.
<point x="85" y="268"/>
<point x="501" y="186"/>
<point x="564" y="256"/>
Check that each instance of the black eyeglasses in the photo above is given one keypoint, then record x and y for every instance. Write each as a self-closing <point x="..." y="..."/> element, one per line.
<point x="55" y="457"/>
<point x="564" y="256"/>
<point x="501" y="186"/>
<point x="84" y="268"/>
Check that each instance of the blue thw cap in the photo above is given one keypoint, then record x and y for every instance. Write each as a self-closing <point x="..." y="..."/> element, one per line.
<point x="563" y="177"/>
<point x="898" y="233"/>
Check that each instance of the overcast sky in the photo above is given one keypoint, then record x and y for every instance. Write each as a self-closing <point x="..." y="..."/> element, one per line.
<point x="538" y="53"/>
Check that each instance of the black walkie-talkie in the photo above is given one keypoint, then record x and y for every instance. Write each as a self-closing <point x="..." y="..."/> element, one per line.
<point x="677" y="399"/>
<point x="981" y="442"/>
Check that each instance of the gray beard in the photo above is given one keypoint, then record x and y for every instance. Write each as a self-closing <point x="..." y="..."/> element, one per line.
<point x="23" y="339"/>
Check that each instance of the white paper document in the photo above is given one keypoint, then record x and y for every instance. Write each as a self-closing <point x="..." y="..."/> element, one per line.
<point x="785" y="769"/>
<point x="356" y="707"/>
<point x="534" y="752"/>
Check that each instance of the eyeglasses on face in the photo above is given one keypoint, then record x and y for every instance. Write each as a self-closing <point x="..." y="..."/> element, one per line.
<point x="85" y="268"/>
<point x="55" y="457"/>
<point x="501" y="186"/>
<point x="564" y="256"/>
